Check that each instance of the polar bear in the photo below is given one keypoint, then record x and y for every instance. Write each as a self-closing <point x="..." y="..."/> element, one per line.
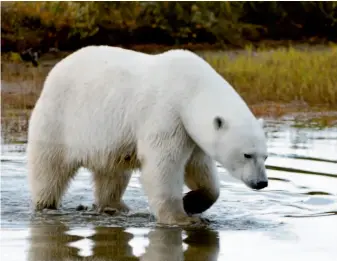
<point x="171" y="115"/>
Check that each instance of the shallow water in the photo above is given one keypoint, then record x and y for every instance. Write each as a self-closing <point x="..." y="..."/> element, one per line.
<point x="295" y="217"/>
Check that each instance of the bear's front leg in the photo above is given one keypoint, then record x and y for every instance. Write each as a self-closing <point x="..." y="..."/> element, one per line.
<point x="162" y="166"/>
<point x="201" y="177"/>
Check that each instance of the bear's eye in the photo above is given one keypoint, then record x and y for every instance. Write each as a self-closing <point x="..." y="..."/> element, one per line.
<point x="218" y="123"/>
<point x="248" y="156"/>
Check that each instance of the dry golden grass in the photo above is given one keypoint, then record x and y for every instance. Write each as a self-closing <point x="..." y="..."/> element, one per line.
<point x="273" y="83"/>
<point x="283" y="75"/>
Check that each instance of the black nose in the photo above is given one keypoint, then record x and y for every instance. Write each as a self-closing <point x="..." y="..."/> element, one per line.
<point x="261" y="185"/>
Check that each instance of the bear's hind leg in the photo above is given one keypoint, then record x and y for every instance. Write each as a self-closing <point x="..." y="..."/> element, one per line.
<point x="110" y="188"/>
<point x="202" y="178"/>
<point x="48" y="175"/>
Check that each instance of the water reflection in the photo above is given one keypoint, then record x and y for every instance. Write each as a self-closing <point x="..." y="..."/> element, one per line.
<point x="202" y="245"/>
<point x="168" y="244"/>
<point x="50" y="243"/>
<point x="57" y="242"/>
<point x="112" y="243"/>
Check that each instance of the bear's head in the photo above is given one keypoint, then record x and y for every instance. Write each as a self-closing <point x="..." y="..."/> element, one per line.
<point x="241" y="149"/>
<point x="235" y="139"/>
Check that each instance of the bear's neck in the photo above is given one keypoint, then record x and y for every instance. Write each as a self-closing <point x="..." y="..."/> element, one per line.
<point x="215" y="100"/>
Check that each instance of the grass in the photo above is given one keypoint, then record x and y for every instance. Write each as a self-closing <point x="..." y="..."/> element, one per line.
<point x="283" y="75"/>
<point x="273" y="83"/>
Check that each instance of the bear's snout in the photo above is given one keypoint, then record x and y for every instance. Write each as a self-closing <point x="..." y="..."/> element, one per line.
<point x="260" y="185"/>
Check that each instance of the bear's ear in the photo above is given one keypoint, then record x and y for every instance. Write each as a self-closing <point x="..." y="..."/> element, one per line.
<point x="261" y="122"/>
<point x="219" y="123"/>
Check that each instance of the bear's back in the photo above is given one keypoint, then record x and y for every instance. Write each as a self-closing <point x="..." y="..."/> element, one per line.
<point x="104" y="68"/>
<point x="100" y="92"/>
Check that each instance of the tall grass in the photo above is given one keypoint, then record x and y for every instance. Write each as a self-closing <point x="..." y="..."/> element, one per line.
<point x="282" y="75"/>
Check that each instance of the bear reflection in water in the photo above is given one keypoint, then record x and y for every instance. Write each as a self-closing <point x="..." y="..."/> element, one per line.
<point x="54" y="243"/>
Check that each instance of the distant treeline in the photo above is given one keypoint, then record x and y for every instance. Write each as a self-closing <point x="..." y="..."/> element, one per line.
<point x="71" y="25"/>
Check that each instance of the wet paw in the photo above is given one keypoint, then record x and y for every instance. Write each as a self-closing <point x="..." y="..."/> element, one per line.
<point x="122" y="207"/>
<point x="186" y="221"/>
<point x="113" y="208"/>
<point x="197" y="201"/>
<point x="43" y="205"/>
<point x="109" y="211"/>
<point x="205" y="221"/>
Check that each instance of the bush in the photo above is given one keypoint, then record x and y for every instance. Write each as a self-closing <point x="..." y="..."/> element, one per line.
<point x="70" y="25"/>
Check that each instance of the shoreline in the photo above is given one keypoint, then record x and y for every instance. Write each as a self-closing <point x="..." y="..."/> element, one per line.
<point x="268" y="110"/>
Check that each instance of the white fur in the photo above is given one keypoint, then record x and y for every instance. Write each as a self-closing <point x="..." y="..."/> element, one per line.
<point x="101" y="104"/>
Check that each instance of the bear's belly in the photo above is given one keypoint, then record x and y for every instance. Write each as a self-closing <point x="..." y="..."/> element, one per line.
<point x="121" y="158"/>
<point x="125" y="157"/>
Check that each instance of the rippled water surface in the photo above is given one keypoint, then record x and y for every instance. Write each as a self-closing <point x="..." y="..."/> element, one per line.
<point x="295" y="217"/>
